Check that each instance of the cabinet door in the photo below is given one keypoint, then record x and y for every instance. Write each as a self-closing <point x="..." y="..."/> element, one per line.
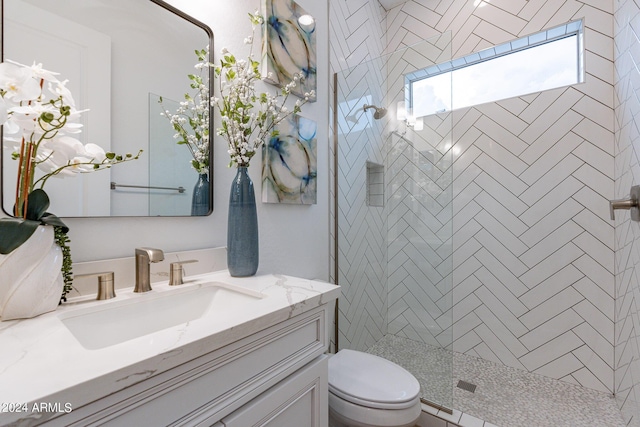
<point x="300" y="400"/>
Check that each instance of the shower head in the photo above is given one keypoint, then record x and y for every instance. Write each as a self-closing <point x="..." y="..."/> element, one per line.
<point x="379" y="113"/>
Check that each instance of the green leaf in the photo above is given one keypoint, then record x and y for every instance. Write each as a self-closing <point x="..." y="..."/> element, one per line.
<point x="38" y="203"/>
<point x="14" y="232"/>
<point x="51" y="219"/>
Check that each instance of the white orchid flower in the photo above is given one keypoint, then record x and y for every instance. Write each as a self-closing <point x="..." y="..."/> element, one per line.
<point x="4" y="111"/>
<point x="58" y="152"/>
<point x="72" y="128"/>
<point x="24" y="119"/>
<point x="39" y="123"/>
<point x="37" y="72"/>
<point x="83" y="161"/>
<point x="61" y="90"/>
<point x="10" y="127"/>
<point x="18" y="83"/>
<point x="95" y="153"/>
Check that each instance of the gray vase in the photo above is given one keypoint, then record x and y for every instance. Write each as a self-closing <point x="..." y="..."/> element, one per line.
<point x="200" y="198"/>
<point x="242" y="227"/>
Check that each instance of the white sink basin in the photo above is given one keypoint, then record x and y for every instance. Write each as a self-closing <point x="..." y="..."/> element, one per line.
<point x="111" y="323"/>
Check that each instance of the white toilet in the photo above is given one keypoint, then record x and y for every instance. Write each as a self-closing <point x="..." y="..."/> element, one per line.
<point x="369" y="391"/>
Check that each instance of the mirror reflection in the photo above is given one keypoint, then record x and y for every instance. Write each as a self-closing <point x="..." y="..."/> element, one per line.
<point x="120" y="57"/>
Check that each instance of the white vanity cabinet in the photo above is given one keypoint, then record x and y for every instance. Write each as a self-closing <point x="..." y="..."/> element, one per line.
<point x="300" y="400"/>
<point x="276" y="376"/>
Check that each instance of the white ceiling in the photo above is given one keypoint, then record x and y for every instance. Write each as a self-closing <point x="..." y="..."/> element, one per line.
<point x="390" y="4"/>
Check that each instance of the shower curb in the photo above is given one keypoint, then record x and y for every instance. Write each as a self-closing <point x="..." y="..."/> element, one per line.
<point x="433" y="417"/>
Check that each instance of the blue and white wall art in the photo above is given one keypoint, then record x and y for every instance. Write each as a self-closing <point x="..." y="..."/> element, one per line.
<point x="289" y="163"/>
<point x="288" y="45"/>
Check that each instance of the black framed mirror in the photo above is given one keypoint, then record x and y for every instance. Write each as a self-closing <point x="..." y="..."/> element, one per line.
<point x="120" y="57"/>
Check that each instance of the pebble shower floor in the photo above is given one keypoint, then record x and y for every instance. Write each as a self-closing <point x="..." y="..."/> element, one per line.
<point x="505" y="397"/>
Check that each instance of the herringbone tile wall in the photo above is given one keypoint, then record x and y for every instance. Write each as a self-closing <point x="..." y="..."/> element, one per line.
<point x="533" y="246"/>
<point x="356" y="36"/>
<point x="419" y="196"/>
<point x="362" y="228"/>
<point x="385" y="252"/>
<point x="627" y="173"/>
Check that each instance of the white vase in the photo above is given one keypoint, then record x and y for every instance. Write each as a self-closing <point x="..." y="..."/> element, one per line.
<point x="30" y="277"/>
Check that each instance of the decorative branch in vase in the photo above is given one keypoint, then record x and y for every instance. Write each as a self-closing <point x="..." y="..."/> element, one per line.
<point x="39" y="118"/>
<point x="190" y="121"/>
<point x="248" y="118"/>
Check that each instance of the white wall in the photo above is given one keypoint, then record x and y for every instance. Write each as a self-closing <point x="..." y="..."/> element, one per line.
<point x="293" y="239"/>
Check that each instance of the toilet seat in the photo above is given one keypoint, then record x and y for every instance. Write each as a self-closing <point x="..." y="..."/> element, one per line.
<point x="371" y="381"/>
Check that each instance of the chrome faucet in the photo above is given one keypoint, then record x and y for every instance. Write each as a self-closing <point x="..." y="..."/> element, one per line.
<point x="144" y="257"/>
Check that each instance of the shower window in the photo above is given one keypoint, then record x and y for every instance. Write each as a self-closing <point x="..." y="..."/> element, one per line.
<point x="542" y="61"/>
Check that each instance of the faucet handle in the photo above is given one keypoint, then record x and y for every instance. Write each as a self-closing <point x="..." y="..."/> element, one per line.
<point x="176" y="272"/>
<point x="630" y="204"/>
<point x="106" y="284"/>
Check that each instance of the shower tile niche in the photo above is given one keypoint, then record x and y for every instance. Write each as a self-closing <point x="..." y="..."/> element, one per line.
<point x="375" y="184"/>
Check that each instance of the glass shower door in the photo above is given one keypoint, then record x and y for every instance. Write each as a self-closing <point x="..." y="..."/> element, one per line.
<point x="394" y="219"/>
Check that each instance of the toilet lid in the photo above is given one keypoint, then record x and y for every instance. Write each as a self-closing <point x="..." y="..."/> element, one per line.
<point x="370" y="380"/>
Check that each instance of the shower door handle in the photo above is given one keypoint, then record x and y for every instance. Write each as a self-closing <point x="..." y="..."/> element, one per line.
<point x="630" y="204"/>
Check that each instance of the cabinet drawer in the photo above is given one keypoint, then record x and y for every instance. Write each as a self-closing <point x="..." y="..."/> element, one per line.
<point x="300" y="400"/>
<point x="215" y="384"/>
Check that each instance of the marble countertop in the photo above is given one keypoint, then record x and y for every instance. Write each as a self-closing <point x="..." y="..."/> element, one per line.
<point x="42" y="362"/>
